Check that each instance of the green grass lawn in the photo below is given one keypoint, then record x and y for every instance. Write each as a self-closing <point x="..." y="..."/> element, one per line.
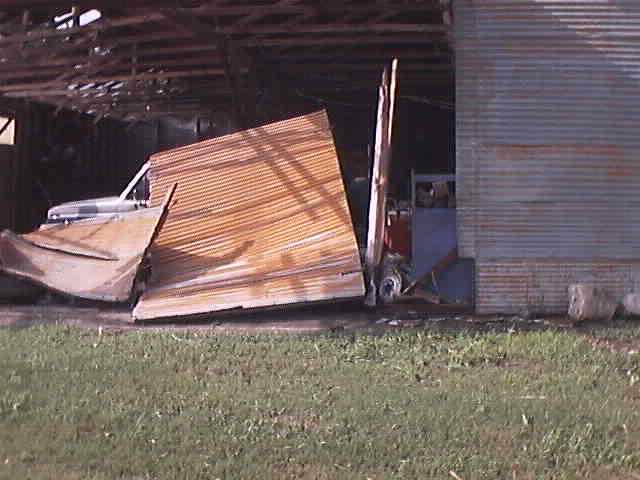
<point x="76" y="405"/>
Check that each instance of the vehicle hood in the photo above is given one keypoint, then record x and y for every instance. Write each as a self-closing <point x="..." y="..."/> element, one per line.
<point x="94" y="206"/>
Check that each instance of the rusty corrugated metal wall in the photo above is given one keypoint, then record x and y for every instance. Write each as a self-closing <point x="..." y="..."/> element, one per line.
<point x="548" y="153"/>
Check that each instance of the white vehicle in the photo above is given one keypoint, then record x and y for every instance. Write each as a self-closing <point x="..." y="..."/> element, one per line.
<point x="133" y="197"/>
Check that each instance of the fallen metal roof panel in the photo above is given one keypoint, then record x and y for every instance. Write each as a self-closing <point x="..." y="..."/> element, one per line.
<point x="96" y="259"/>
<point x="260" y="219"/>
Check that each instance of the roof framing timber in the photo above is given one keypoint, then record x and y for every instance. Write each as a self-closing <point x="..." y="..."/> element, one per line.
<point x="198" y="47"/>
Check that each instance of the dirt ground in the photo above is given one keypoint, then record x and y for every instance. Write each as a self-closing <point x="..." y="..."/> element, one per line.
<point x="327" y="318"/>
<point x="338" y="317"/>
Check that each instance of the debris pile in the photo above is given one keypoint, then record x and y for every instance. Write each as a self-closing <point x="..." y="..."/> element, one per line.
<point x="98" y="259"/>
<point x="260" y="219"/>
<point x="252" y="219"/>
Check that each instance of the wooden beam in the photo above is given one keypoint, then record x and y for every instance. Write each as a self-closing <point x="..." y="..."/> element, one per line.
<point x="203" y="72"/>
<point x="113" y="66"/>
<point x="232" y="81"/>
<point x="447" y="12"/>
<point x="233" y="69"/>
<point x="337" y="28"/>
<point x="379" y="180"/>
<point x="184" y="20"/>
<point x="358" y="54"/>
<point x="73" y="60"/>
<point x="20" y="53"/>
<point x="343" y="67"/>
<point x="293" y="7"/>
<point x="275" y="41"/>
<point x="133" y="102"/>
<point x="258" y="13"/>
<point x="330" y="40"/>
<point x="100" y="25"/>
<point x="64" y="4"/>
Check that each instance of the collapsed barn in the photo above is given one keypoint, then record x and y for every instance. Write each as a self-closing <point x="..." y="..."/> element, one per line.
<point x="512" y="160"/>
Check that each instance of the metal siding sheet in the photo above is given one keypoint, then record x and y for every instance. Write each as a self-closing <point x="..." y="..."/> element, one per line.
<point x="92" y="259"/>
<point x="507" y="286"/>
<point x="260" y="219"/>
<point x="547" y="109"/>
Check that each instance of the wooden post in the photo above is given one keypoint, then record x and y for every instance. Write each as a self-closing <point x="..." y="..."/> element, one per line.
<point x="232" y="80"/>
<point x="251" y="94"/>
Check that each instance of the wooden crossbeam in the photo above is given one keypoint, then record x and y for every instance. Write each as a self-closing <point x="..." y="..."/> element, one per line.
<point x="258" y="13"/>
<point x="114" y="41"/>
<point x="185" y="18"/>
<point x="259" y="29"/>
<point x="64" y="4"/>
<point x="202" y="72"/>
<point x="352" y="67"/>
<point x="43" y="65"/>
<point x="331" y="40"/>
<point x="105" y="92"/>
<point x="231" y="55"/>
<point x="50" y="51"/>
<point x="358" y="55"/>
<point x="80" y="59"/>
<point x="338" y="28"/>
<point x="100" y="25"/>
<point x="294" y="7"/>
<point x="114" y="65"/>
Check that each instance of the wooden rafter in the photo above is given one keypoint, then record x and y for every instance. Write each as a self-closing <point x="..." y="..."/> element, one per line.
<point x="202" y="72"/>
<point x="122" y="61"/>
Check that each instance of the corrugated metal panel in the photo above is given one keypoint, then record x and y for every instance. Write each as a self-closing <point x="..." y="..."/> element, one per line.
<point x="260" y="219"/>
<point x="508" y="286"/>
<point x="95" y="259"/>
<point x="547" y="148"/>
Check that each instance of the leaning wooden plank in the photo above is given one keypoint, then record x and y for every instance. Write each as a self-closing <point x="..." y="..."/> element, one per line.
<point x="92" y="259"/>
<point x="260" y="219"/>
<point x="379" y="179"/>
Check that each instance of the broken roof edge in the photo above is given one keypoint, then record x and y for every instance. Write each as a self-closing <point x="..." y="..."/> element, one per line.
<point x="118" y="288"/>
<point x="32" y="279"/>
<point x="251" y="132"/>
<point x="219" y="315"/>
<point x="351" y="288"/>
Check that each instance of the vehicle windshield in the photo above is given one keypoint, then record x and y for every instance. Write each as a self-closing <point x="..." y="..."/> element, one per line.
<point x="141" y="190"/>
<point x="138" y="188"/>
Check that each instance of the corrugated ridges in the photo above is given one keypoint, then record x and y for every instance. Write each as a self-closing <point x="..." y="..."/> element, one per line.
<point x="547" y="148"/>
<point x="92" y="259"/>
<point x="260" y="218"/>
<point x="506" y="286"/>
